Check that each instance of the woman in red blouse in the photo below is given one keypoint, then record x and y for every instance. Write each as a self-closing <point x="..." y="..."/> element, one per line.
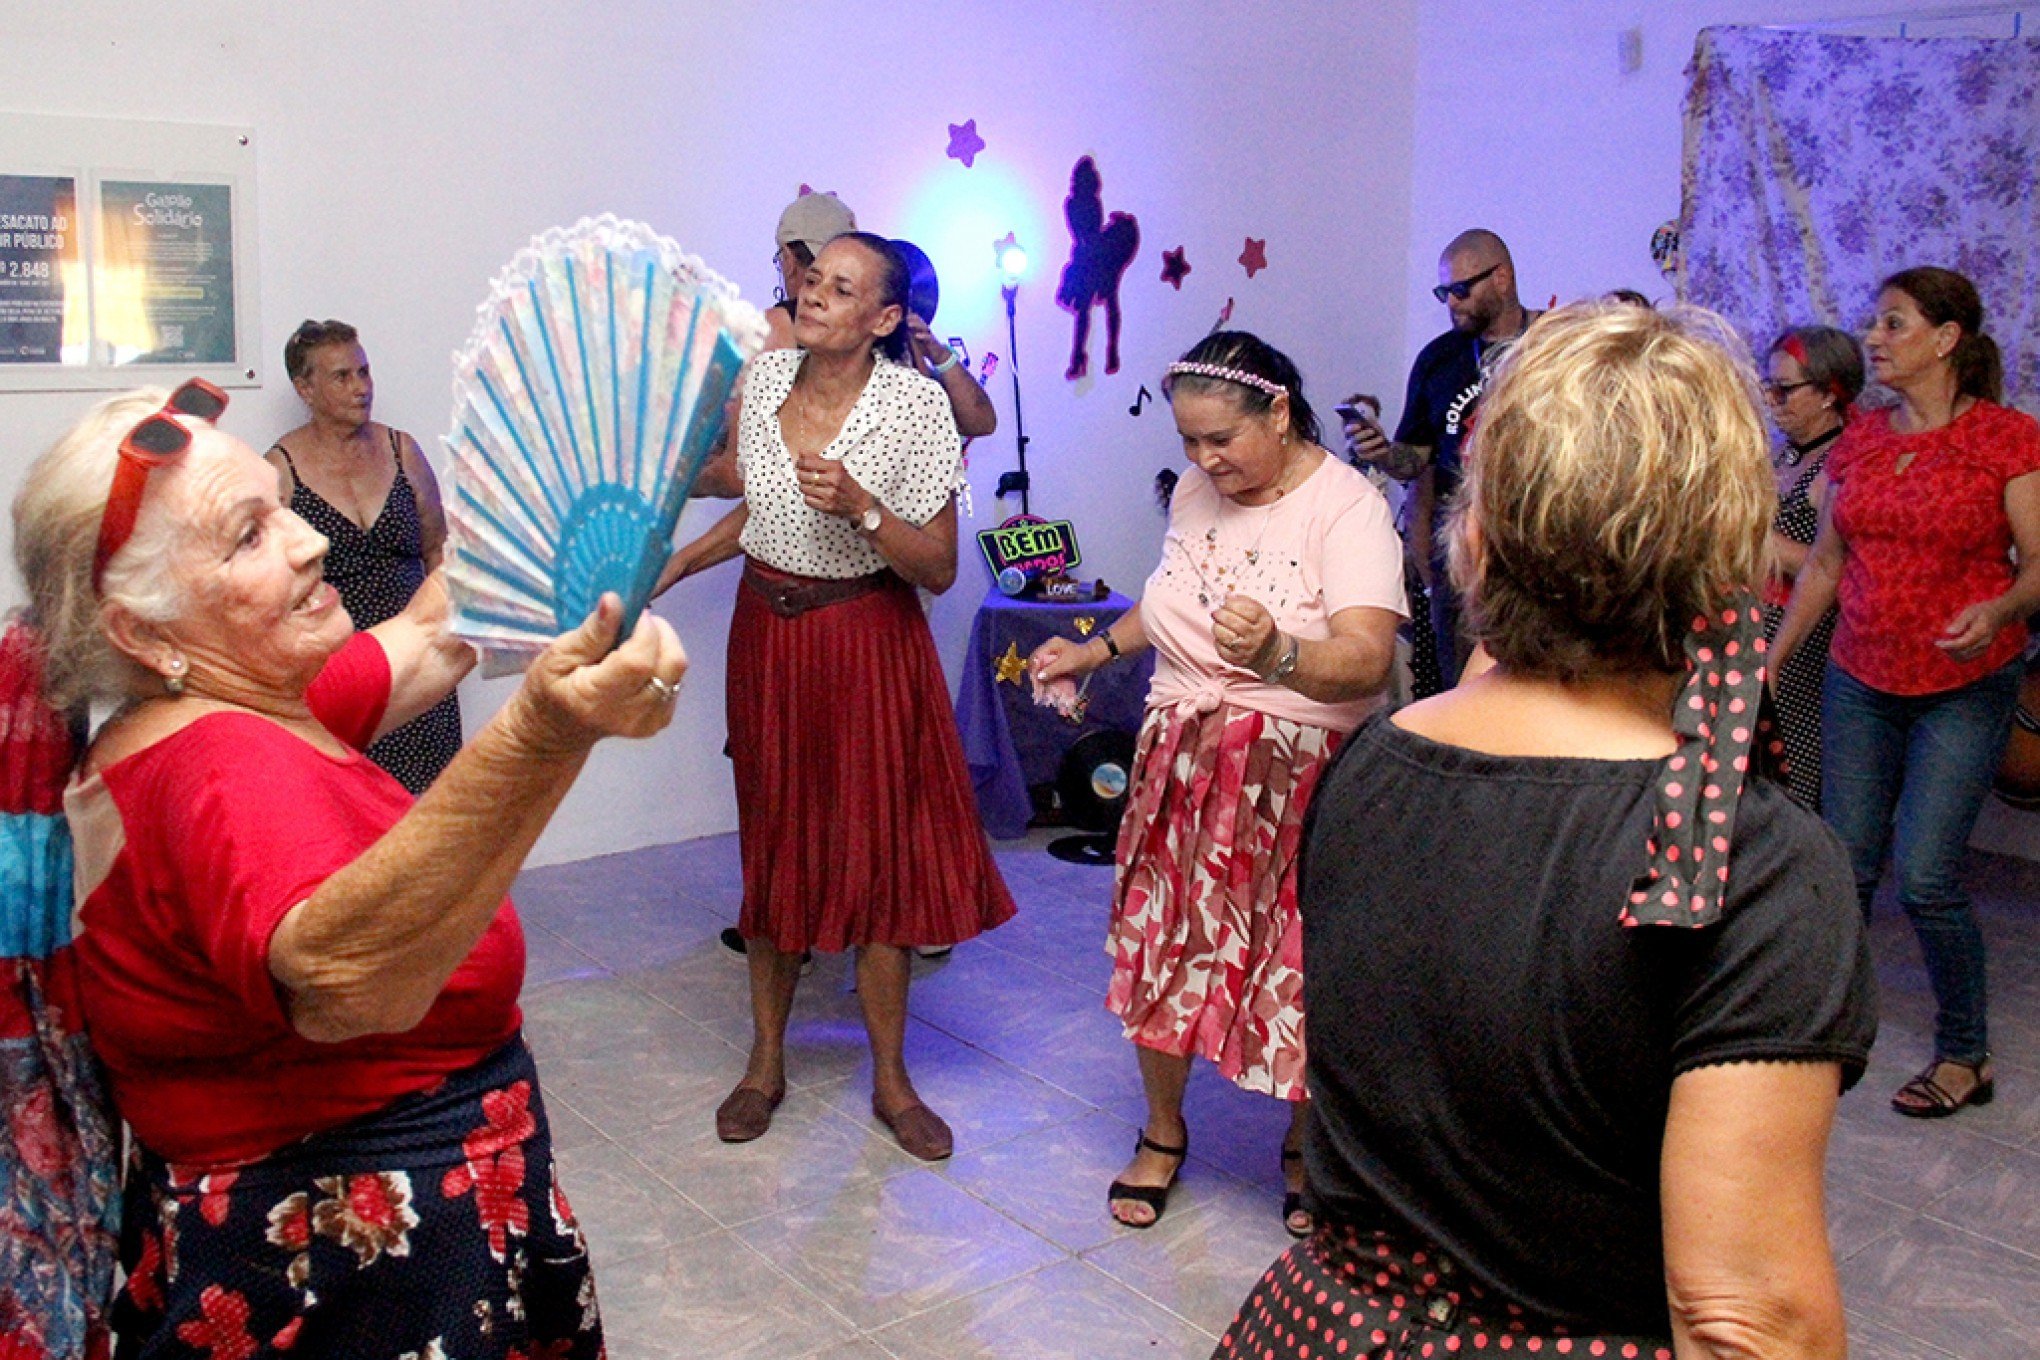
<point x="1916" y="545"/>
<point x="303" y="983"/>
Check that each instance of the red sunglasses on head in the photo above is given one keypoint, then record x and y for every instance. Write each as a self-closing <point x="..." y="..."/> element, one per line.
<point x="154" y="441"/>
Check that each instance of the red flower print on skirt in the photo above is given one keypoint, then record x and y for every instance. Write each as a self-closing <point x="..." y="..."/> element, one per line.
<point x="221" y="1330"/>
<point x="290" y="1227"/>
<point x="145" y="1277"/>
<point x="370" y="1213"/>
<point x="1206" y="943"/>
<point x="213" y="1204"/>
<point x="495" y="1166"/>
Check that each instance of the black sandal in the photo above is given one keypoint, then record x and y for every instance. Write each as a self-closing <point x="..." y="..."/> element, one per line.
<point x="1292" y="1200"/>
<point x="1155" y="1197"/>
<point x="1931" y="1100"/>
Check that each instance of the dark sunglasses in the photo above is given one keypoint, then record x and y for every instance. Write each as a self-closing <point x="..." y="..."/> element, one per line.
<point x="1462" y="288"/>
<point x="1779" y="391"/>
<point x="154" y="441"/>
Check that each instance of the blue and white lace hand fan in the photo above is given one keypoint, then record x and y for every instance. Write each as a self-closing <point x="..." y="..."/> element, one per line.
<point x="584" y="405"/>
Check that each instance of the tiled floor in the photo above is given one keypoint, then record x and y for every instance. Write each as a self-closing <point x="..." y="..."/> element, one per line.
<point x="823" y="1240"/>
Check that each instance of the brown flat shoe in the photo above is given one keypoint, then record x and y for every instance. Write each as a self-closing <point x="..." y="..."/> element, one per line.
<point x="746" y="1113"/>
<point x="918" y="1130"/>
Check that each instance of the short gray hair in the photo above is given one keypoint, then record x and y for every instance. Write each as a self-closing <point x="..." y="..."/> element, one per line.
<point x="56" y="533"/>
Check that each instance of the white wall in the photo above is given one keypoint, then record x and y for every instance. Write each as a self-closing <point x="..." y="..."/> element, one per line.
<point x="406" y="150"/>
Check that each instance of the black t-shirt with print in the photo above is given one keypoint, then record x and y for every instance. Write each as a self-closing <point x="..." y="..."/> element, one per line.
<point x="1445" y="383"/>
<point x="1492" y="1054"/>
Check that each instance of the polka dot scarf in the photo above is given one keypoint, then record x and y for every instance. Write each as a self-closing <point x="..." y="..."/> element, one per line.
<point x="1722" y="730"/>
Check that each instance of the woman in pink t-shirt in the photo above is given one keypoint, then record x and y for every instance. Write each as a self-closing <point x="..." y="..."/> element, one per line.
<point x="1273" y="616"/>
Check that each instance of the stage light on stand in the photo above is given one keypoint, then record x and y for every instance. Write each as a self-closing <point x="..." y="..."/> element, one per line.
<point x="1012" y="261"/>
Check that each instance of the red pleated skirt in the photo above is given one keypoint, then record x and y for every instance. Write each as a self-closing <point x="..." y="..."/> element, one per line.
<point x="855" y="815"/>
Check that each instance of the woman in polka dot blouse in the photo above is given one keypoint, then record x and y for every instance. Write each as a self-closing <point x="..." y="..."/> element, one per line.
<point x="854" y="807"/>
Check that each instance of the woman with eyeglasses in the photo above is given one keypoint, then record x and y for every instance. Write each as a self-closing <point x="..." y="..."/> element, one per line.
<point x="303" y="983"/>
<point x="369" y="490"/>
<point x="1815" y="374"/>
<point x="1930" y="546"/>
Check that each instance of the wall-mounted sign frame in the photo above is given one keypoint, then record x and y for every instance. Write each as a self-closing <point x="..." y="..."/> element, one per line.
<point x="127" y="254"/>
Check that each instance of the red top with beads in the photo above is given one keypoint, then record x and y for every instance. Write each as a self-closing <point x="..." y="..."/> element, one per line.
<point x="1923" y="515"/>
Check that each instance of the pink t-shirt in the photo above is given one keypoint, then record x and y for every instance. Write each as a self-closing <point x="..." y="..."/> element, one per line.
<point x="1326" y="546"/>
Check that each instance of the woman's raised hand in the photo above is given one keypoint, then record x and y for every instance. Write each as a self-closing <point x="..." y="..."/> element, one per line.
<point x="1972" y="631"/>
<point x="579" y="691"/>
<point x="1245" y="633"/>
<point x="827" y="486"/>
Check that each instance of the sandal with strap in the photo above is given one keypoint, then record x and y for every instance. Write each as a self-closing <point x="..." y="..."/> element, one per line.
<point x="1925" y="1098"/>
<point x="1292" y="1201"/>
<point x="1155" y="1197"/>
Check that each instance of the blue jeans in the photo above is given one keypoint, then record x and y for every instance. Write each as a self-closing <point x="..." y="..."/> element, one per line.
<point x="1911" y="771"/>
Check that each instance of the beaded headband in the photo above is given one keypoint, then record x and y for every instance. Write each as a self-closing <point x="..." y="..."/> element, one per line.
<point x="1231" y="375"/>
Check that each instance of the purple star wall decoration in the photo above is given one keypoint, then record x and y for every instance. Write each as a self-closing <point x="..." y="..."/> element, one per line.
<point x="1174" y="267"/>
<point x="964" y="142"/>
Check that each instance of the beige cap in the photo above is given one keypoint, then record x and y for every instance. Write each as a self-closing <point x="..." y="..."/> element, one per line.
<point x="816" y="220"/>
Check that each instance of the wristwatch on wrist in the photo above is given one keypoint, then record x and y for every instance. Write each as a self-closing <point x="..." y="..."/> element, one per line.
<point x="1285" y="666"/>
<point x="867" y="523"/>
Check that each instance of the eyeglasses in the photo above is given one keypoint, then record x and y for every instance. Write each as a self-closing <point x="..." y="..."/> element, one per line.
<point x="1777" y="391"/>
<point x="1462" y="288"/>
<point x="154" y="441"/>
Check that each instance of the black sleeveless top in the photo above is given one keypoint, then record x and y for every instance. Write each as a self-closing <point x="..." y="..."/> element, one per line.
<point x="376" y="571"/>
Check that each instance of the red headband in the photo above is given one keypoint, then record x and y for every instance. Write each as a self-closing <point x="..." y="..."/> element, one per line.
<point x="1796" y="347"/>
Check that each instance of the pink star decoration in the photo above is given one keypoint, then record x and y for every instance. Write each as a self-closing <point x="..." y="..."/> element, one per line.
<point x="1255" y="257"/>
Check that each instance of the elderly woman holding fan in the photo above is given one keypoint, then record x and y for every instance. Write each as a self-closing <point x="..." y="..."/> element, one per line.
<point x="303" y="983"/>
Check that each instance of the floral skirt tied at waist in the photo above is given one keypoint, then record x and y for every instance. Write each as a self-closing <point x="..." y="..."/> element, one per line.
<point x="434" y="1229"/>
<point x="855" y="817"/>
<point x="1372" y="1295"/>
<point x="1206" y="944"/>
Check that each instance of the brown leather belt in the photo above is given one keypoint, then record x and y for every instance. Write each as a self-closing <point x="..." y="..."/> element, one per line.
<point x="791" y="596"/>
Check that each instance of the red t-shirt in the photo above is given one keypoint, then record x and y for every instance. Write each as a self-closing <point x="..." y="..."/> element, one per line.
<point x="1924" y="519"/>
<point x="189" y="854"/>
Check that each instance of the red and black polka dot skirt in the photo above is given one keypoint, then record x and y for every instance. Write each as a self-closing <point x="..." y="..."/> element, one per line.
<point x="1343" y="1293"/>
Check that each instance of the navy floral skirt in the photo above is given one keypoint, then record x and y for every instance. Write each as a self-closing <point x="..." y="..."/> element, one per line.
<point x="433" y="1230"/>
<point x="1348" y="1294"/>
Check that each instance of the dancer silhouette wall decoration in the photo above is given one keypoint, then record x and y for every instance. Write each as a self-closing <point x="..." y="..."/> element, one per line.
<point x="1100" y="250"/>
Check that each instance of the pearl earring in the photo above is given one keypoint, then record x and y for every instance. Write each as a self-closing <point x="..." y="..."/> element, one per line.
<point x="174" y="680"/>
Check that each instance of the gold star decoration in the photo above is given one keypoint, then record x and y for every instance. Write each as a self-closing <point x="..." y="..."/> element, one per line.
<point x="1084" y="624"/>
<point x="1011" y="666"/>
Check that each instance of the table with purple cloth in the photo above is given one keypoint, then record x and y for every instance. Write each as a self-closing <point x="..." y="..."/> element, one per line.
<point x="1012" y="743"/>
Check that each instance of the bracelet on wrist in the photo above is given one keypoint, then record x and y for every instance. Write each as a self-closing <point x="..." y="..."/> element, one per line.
<point x="1112" y="652"/>
<point x="1285" y="660"/>
<point x="951" y="362"/>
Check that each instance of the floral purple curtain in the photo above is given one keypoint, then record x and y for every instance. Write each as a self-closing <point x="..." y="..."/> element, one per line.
<point x="1816" y="165"/>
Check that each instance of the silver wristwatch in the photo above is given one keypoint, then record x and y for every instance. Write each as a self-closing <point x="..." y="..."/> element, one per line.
<point x="867" y="523"/>
<point x="1286" y="665"/>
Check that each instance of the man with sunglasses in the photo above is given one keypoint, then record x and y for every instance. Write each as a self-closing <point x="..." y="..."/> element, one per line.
<point x="1477" y="284"/>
